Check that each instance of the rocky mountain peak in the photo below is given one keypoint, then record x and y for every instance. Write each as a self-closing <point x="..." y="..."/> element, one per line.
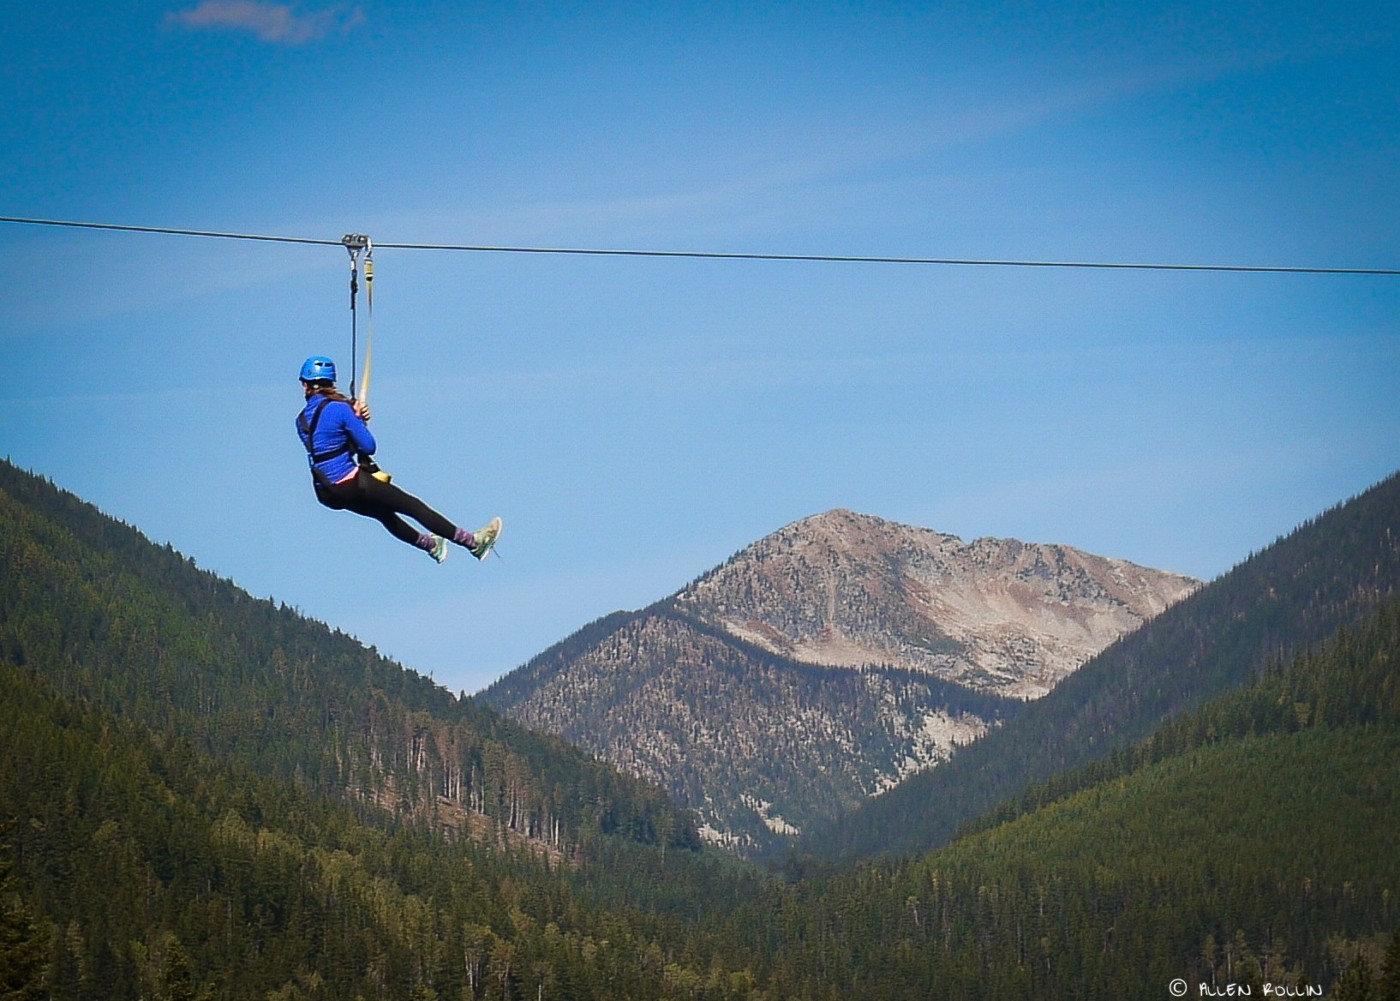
<point x="842" y="589"/>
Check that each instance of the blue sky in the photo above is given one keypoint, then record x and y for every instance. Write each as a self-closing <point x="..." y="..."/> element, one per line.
<point x="636" y="420"/>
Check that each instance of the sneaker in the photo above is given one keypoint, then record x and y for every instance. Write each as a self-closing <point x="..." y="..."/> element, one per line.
<point x="486" y="538"/>
<point x="439" y="550"/>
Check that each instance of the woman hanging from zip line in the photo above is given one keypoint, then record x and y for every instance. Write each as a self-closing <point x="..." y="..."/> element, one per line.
<point x="333" y="430"/>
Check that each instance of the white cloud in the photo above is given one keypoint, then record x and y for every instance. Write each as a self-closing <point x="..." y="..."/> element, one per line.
<point x="281" y="24"/>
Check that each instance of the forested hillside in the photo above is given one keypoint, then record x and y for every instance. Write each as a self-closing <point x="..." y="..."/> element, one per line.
<point x="758" y="745"/>
<point x="205" y="795"/>
<point x="102" y="614"/>
<point x="1330" y="572"/>
<point x="151" y="871"/>
<point x="1253" y="841"/>
<point x="185" y="814"/>
<point x="1265" y="857"/>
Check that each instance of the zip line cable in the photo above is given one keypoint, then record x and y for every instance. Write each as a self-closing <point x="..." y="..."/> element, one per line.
<point x="169" y="232"/>
<point x="725" y="256"/>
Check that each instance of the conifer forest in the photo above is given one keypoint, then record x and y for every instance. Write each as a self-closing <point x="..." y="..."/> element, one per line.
<point x="205" y="796"/>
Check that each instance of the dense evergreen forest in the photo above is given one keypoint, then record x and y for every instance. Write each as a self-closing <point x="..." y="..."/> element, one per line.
<point x="205" y="796"/>
<point x="101" y="614"/>
<point x="159" y="873"/>
<point x="1252" y="841"/>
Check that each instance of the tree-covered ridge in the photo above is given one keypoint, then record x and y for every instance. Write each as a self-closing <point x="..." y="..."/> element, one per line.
<point x="1281" y="843"/>
<point x="154" y="871"/>
<point x="1252" y="841"/>
<point x="1353" y="681"/>
<point x="1330" y="572"/>
<point x="1266" y="857"/>
<point x="103" y="614"/>
<point x="1249" y="841"/>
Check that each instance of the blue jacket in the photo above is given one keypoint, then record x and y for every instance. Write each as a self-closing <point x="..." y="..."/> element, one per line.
<point x="339" y="436"/>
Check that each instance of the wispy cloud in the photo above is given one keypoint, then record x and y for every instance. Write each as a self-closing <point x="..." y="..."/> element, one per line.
<point x="280" y="24"/>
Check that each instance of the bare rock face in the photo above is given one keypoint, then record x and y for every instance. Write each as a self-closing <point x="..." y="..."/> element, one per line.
<point x="847" y="590"/>
<point x="827" y="662"/>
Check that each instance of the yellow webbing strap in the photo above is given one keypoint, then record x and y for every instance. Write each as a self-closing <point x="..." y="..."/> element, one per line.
<point x="378" y="473"/>
<point x="369" y="318"/>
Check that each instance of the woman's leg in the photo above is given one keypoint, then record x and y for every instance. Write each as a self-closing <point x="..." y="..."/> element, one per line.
<point x="397" y="527"/>
<point x="385" y="498"/>
<point x="385" y="502"/>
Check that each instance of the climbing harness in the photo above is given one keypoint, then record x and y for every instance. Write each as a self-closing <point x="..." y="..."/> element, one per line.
<point x="313" y="457"/>
<point x="360" y="247"/>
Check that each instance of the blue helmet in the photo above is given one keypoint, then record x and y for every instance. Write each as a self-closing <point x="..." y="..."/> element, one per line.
<point x="317" y="367"/>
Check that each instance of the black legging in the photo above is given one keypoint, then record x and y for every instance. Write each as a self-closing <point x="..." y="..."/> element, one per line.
<point x="384" y="502"/>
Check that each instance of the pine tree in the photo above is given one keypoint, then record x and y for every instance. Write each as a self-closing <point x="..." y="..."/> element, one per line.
<point x="1389" y="986"/>
<point x="21" y="948"/>
<point x="1355" y="983"/>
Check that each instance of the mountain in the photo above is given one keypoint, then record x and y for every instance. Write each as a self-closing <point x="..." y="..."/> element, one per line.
<point x="142" y="868"/>
<point x="205" y="796"/>
<point x="995" y="615"/>
<point x="1248" y="846"/>
<point x="98" y="612"/>
<point x="1328" y="574"/>
<point x="827" y="662"/>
